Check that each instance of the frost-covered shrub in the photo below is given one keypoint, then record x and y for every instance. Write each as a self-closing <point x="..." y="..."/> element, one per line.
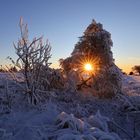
<point x="94" y="47"/>
<point x="99" y="121"/>
<point x="108" y="83"/>
<point x="69" y="121"/>
<point x="33" y="63"/>
<point x="52" y="79"/>
<point x="32" y="58"/>
<point x="71" y="128"/>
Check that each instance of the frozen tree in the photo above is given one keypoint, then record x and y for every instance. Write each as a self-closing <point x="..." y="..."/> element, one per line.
<point x="32" y="62"/>
<point x="94" y="47"/>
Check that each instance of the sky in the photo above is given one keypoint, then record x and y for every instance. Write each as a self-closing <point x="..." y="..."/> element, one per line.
<point x="63" y="21"/>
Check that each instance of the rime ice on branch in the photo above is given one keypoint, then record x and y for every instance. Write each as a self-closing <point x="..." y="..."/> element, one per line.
<point x="94" y="47"/>
<point x="33" y="63"/>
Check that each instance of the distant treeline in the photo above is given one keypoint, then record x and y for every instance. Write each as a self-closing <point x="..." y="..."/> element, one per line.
<point x="135" y="70"/>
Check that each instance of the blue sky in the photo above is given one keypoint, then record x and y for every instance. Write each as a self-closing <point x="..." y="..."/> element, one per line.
<point x="63" y="21"/>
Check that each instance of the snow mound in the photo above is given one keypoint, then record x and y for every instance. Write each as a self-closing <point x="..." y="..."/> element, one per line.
<point x="72" y="128"/>
<point x="37" y="126"/>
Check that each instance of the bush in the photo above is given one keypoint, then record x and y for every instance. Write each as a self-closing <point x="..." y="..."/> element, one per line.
<point x="32" y="61"/>
<point x="131" y="73"/>
<point x="136" y="69"/>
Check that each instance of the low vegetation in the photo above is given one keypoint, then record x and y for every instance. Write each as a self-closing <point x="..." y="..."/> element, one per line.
<point x="72" y="102"/>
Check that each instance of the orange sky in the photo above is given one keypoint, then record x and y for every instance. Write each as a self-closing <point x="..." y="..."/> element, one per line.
<point x="124" y="65"/>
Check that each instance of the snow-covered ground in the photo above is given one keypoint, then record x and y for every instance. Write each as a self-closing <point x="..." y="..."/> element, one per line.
<point x="70" y="116"/>
<point x="132" y="85"/>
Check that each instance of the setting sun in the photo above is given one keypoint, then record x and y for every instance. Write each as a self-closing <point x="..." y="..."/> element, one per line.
<point x="88" y="67"/>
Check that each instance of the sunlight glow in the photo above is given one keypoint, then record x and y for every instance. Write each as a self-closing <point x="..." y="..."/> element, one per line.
<point x="88" y="67"/>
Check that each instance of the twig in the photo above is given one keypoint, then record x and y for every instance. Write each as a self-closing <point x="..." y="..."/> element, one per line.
<point x="84" y="82"/>
<point x="121" y="129"/>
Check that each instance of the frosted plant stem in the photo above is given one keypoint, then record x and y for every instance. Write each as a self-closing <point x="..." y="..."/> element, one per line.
<point x="121" y="129"/>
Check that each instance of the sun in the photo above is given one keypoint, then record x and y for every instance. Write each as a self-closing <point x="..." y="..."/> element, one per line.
<point x="88" y="67"/>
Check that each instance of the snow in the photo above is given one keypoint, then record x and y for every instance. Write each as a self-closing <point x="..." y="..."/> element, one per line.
<point x="70" y="116"/>
<point x="132" y="85"/>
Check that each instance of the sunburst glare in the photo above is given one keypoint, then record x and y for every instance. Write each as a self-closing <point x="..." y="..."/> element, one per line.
<point x="88" y="67"/>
